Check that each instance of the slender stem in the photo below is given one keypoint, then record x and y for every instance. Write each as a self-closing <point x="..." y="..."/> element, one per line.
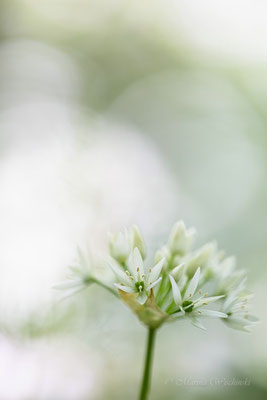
<point x="103" y="285"/>
<point x="146" y="383"/>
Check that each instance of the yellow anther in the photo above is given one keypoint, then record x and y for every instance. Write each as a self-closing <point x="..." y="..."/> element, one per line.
<point x="200" y="291"/>
<point x="137" y="269"/>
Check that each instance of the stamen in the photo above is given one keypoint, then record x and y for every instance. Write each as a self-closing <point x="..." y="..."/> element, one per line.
<point x="127" y="273"/>
<point x="143" y="275"/>
<point x="204" y="304"/>
<point x="200" y="291"/>
<point x="205" y="294"/>
<point x="137" y="269"/>
<point x="150" y="270"/>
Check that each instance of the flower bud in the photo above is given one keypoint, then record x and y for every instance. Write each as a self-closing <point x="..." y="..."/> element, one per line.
<point x="163" y="253"/>
<point x="138" y="241"/>
<point x="180" y="239"/>
<point x="119" y="246"/>
<point x="201" y="258"/>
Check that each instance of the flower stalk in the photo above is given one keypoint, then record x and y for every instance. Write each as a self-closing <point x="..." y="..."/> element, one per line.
<point x="146" y="381"/>
<point x="181" y="284"/>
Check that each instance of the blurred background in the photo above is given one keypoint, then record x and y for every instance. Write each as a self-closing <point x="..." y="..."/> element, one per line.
<point x="114" y="113"/>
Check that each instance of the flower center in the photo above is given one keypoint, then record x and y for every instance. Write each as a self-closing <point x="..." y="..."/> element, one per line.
<point x="188" y="306"/>
<point x="140" y="286"/>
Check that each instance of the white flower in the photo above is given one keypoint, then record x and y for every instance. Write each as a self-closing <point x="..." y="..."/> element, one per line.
<point x="181" y="275"/>
<point x="138" y="241"/>
<point x="180" y="239"/>
<point x="236" y="306"/>
<point x="191" y="305"/>
<point x="163" y="252"/>
<point x="226" y="276"/>
<point x="120" y="246"/>
<point x="122" y="243"/>
<point x="80" y="276"/>
<point x="137" y="279"/>
<point x="200" y="258"/>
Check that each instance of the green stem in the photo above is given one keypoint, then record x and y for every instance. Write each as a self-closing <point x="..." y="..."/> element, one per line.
<point x="103" y="285"/>
<point x="146" y="383"/>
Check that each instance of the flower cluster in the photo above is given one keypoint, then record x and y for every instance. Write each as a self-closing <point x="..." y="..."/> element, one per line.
<point x="182" y="284"/>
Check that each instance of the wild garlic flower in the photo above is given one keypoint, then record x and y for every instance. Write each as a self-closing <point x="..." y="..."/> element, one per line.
<point x="80" y="275"/>
<point x="181" y="240"/>
<point x="184" y="284"/>
<point x="191" y="304"/>
<point x="137" y="279"/>
<point x="236" y="307"/>
<point x="122" y="243"/>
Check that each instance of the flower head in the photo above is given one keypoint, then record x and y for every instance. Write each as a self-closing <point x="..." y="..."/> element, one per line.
<point x="192" y="304"/>
<point x="79" y="276"/>
<point x="137" y="279"/>
<point x="236" y="307"/>
<point x="183" y="283"/>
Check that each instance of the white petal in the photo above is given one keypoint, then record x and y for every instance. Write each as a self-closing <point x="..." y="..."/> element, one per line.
<point x="82" y="259"/>
<point x="68" y="284"/>
<point x="154" y="274"/>
<point x="126" y="289"/>
<point x="229" y="302"/>
<point x="142" y="297"/>
<point x="122" y="245"/>
<point x="239" y="324"/>
<point x="206" y="300"/>
<point x="138" y="261"/>
<point x="197" y="323"/>
<point x="131" y="266"/>
<point x="233" y="297"/>
<point x="176" y="272"/>
<point x="176" y="291"/>
<point x="240" y="321"/>
<point x="120" y="274"/>
<point x="154" y="283"/>
<point x="252" y="318"/>
<point x="71" y="292"/>
<point x="190" y="291"/>
<point x="210" y="313"/>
